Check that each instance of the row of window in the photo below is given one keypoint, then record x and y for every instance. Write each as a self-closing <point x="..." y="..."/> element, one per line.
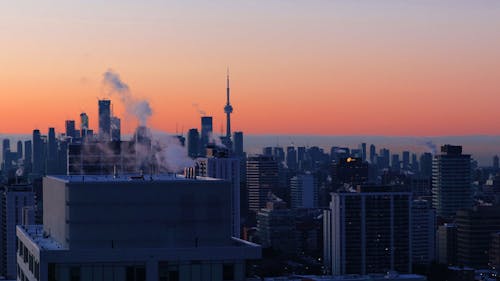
<point x="28" y="258"/>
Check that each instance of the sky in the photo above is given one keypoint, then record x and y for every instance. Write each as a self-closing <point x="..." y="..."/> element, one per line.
<point x="405" y="68"/>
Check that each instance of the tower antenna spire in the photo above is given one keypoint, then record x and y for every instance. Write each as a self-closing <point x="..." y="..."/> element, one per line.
<point x="228" y="109"/>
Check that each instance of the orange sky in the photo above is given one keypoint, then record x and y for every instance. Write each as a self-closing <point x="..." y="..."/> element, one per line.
<point x="297" y="67"/>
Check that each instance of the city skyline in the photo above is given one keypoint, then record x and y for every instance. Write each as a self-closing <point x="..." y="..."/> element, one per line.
<point x="380" y="72"/>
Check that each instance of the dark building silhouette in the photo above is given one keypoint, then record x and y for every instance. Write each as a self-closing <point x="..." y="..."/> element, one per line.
<point x="495" y="163"/>
<point x="451" y="181"/>
<point x="19" y="150"/>
<point x="291" y="158"/>
<point x="406" y="160"/>
<point x="350" y="170"/>
<point x="115" y="129"/>
<point x="70" y="128"/>
<point x="193" y="139"/>
<point x="206" y="133"/>
<point x="84" y="124"/>
<point x="238" y="144"/>
<point x="447" y="244"/>
<point x="104" y="119"/>
<point x="262" y="179"/>
<point x="368" y="231"/>
<point x="474" y="232"/>
<point x="39" y="152"/>
<point x="373" y="154"/>
<point x="426" y="164"/>
<point x="52" y="147"/>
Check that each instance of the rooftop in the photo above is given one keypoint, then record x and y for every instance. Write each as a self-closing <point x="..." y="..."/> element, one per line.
<point x="128" y="178"/>
<point x="37" y="235"/>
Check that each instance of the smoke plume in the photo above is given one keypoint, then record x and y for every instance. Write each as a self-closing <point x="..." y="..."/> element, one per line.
<point x="431" y="146"/>
<point x="199" y="110"/>
<point x="140" y="108"/>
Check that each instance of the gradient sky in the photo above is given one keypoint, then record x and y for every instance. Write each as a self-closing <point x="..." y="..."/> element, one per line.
<point x="299" y="67"/>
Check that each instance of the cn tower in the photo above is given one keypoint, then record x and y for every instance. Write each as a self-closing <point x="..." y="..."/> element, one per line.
<point x="228" y="109"/>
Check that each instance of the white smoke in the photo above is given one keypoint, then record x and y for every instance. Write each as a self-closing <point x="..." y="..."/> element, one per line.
<point x="169" y="155"/>
<point x="140" y="108"/>
<point x="198" y="109"/>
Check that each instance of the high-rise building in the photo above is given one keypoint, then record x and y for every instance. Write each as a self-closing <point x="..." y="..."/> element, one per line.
<point x="238" y="144"/>
<point x="84" y="124"/>
<point x="12" y="201"/>
<point x="474" y="232"/>
<point x="423" y="237"/>
<point x="28" y="152"/>
<point x="52" y="149"/>
<point x="373" y="154"/>
<point x="39" y="153"/>
<point x="206" y="133"/>
<point x="495" y="163"/>
<point x="19" y="150"/>
<point x="5" y="149"/>
<point x="221" y="166"/>
<point x="451" y="181"/>
<point x="406" y="160"/>
<point x="70" y="128"/>
<point x="193" y="139"/>
<point x="426" y="164"/>
<point x="115" y="129"/>
<point x="301" y="157"/>
<point x="350" y="170"/>
<point x="368" y="231"/>
<point x="447" y="244"/>
<point x="363" y="151"/>
<point x="262" y="179"/>
<point x="291" y="158"/>
<point x="495" y="251"/>
<point x="304" y="191"/>
<point x="104" y="120"/>
<point x="395" y="163"/>
<point x="276" y="227"/>
<point x="167" y="227"/>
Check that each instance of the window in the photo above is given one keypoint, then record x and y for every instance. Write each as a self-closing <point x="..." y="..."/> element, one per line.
<point x="228" y="272"/>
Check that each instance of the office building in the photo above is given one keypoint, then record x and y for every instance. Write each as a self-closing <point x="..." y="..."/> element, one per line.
<point x="115" y="129"/>
<point x="39" y="153"/>
<point x="220" y="165"/>
<point x="474" y="232"/>
<point x="350" y="170"/>
<point x="423" y="232"/>
<point x="291" y="158"/>
<point x="238" y="144"/>
<point x="104" y="120"/>
<point x="447" y="244"/>
<point x="304" y="191"/>
<point x="70" y="128"/>
<point x="165" y="227"/>
<point x="373" y="154"/>
<point x="368" y="231"/>
<point x="276" y="227"/>
<point x="206" y="133"/>
<point x="426" y="165"/>
<point x="193" y="139"/>
<point x="451" y="181"/>
<point x="262" y="179"/>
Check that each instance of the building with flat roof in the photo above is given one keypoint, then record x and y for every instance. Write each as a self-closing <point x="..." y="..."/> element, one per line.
<point x="159" y="227"/>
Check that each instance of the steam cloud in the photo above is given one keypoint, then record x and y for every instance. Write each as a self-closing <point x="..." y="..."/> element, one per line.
<point x="431" y="146"/>
<point x="199" y="110"/>
<point x="139" y="108"/>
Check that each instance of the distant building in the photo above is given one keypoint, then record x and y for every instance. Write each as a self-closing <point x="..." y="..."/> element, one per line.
<point x="104" y="120"/>
<point x="423" y="237"/>
<point x="451" y="181"/>
<point x="166" y="227"/>
<point x="262" y="179"/>
<point x="291" y="158"/>
<point x="494" y="251"/>
<point x="84" y="124"/>
<point x="115" y="129"/>
<point x="70" y="128"/>
<point x="193" y="139"/>
<point x="368" y="231"/>
<point x="238" y="144"/>
<point x="304" y="191"/>
<point x="206" y="133"/>
<point x="276" y="227"/>
<point x="39" y="152"/>
<point x="426" y="164"/>
<point x="350" y="170"/>
<point x="495" y="163"/>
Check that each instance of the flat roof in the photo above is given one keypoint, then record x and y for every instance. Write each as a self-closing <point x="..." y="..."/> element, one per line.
<point x="44" y="241"/>
<point x="128" y="178"/>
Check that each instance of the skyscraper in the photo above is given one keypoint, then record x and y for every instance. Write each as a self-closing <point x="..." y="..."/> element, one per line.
<point x="84" y="124"/>
<point x="363" y="151"/>
<point x="373" y="154"/>
<point x="238" y="144"/>
<point x="115" y="129"/>
<point x="291" y="158"/>
<point x="206" y="133"/>
<point x="193" y="139"/>
<point x="52" y="152"/>
<point x="304" y="191"/>
<point x="451" y="181"/>
<point x="104" y="119"/>
<point x="495" y="163"/>
<point x="368" y="231"/>
<point x="19" y="150"/>
<point x="262" y="179"/>
<point x="38" y="153"/>
<point x="423" y="232"/>
<point x="406" y="160"/>
<point x="70" y="128"/>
